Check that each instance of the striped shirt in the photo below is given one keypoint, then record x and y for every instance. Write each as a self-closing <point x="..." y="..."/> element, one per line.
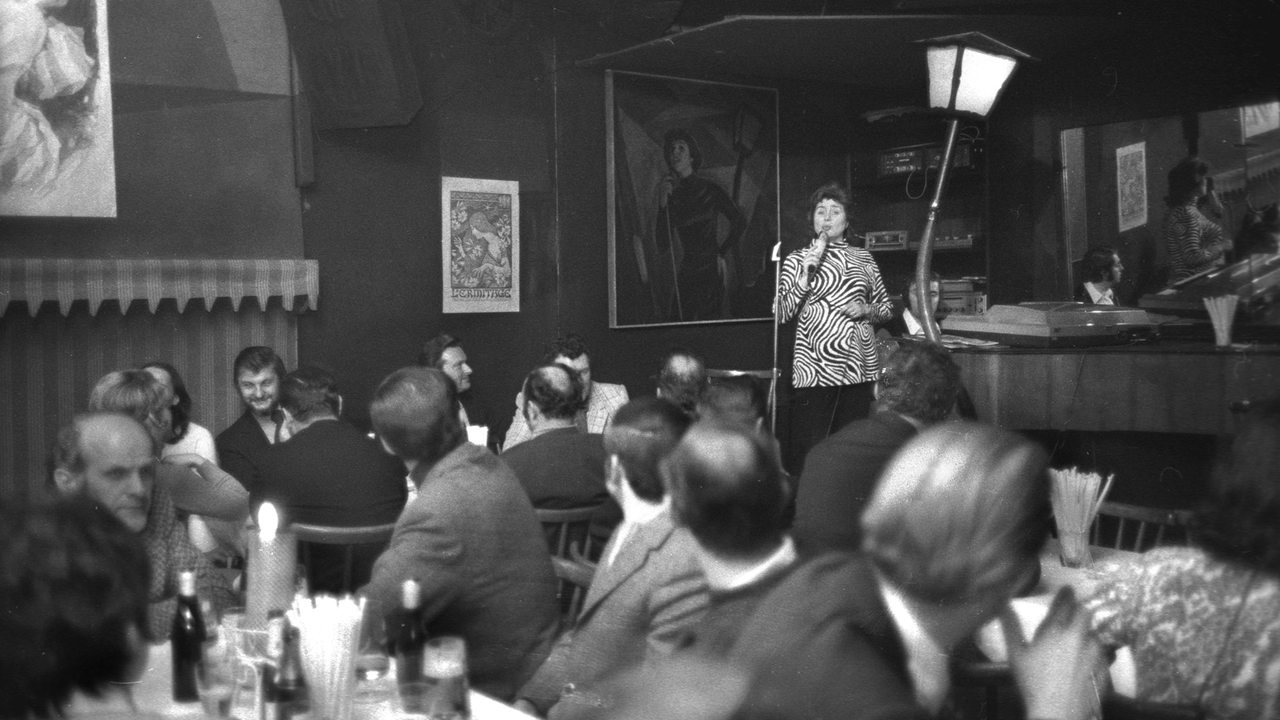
<point x="831" y="348"/>
<point x="1193" y="241"/>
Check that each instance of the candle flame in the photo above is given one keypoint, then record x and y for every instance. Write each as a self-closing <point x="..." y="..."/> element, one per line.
<point x="268" y="522"/>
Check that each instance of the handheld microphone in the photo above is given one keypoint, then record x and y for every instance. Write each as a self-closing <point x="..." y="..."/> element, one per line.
<point x="821" y="244"/>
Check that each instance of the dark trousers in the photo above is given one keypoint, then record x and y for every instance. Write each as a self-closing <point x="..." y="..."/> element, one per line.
<point x="816" y="412"/>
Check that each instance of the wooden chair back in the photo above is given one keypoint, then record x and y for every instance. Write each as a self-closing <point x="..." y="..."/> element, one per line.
<point x="368" y="539"/>
<point x="568" y="528"/>
<point x="574" y="575"/>
<point x="1137" y="528"/>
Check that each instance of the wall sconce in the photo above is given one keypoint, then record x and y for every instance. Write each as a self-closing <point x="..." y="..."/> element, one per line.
<point x="967" y="73"/>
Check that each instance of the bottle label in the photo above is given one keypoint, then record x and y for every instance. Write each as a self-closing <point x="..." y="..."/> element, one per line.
<point x="275" y="637"/>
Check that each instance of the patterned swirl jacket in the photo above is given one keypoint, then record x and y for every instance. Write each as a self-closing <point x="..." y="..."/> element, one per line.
<point x="832" y="348"/>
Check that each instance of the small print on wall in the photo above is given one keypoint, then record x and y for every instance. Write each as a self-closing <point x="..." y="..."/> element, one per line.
<point x="56" y="153"/>
<point x="1131" y="185"/>
<point x="480" y="238"/>
<point x="693" y="200"/>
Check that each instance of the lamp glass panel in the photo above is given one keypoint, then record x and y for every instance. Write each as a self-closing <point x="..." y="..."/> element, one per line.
<point x="982" y="76"/>
<point x="942" y="66"/>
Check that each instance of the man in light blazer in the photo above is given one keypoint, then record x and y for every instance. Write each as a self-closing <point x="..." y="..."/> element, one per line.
<point x="648" y="588"/>
<point x="602" y="399"/>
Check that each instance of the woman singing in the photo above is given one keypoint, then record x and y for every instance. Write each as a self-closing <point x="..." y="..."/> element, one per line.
<point x="838" y="294"/>
<point x="1194" y="242"/>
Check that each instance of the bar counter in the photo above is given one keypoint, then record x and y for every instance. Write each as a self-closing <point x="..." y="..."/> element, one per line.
<point x="1164" y="387"/>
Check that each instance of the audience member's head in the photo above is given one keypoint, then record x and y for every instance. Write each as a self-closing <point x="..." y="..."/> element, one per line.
<point x="921" y="381"/>
<point x="73" y="605"/>
<point x="257" y="372"/>
<point x="551" y="392"/>
<point x="138" y="394"/>
<point x="109" y="458"/>
<point x="727" y="488"/>
<point x="571" y="351"/>
<point x="309" y="393"/>
<point x="444" y="352"/>
<point x="1240" y="520"/>
<point x="935" y="293"/>
<point x="682" y="379"/>
<point x="1101" y="266"/>
<point x="642" y="433"/>
<point x="1187" y="181"/>
<point x="415" y="413"/>
<point x="179" y="404"/>
<point x="959" y="516"/>
<point x="737" y="399"/>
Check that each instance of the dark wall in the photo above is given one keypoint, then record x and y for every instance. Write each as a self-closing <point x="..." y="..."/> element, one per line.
<point x="209" y="180"/>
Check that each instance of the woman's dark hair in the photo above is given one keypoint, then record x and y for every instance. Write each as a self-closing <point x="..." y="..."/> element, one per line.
<point x="1240" y="519"/>
<point x="1184" y="181"/>
<point x="830" y="191"/>
<point x="182" y="409"/>
<point x="73" y="603"/>
<point x="681" y="135"/>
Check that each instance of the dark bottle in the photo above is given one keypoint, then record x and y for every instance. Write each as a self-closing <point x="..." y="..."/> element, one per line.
<point x="291" y="686"/>
<point x="406" y="633"/>
<point x="271" y="707"/>
<point x="187" y="638"/>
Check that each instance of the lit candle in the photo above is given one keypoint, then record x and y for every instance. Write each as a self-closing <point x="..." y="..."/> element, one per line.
<point x="273" y="563"/>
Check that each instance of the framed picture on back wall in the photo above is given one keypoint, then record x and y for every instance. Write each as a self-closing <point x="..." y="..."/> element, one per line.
<point x="480" y="245"/>
<point x="693" y="200"/>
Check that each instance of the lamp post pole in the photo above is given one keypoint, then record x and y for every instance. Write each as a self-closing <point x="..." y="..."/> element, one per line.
<point x="924" y="258"/>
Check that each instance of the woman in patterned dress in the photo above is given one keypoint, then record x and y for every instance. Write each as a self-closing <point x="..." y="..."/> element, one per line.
<point x="1204" y="622"/>
<point x="1194" y="242"/>
<point x="837" y="294"/>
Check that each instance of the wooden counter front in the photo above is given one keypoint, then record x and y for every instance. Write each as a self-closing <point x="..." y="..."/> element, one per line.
<point x="1160" y="387"/>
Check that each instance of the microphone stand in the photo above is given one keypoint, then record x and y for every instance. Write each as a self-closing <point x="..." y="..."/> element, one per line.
<point x="773" y="381"/>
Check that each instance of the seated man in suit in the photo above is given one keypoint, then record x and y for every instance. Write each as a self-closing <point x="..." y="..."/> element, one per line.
<point x="444" y="352"/>
<point x="470" y="538"/>
<point x="727" y="488"/>
<point x="602" y="399"/>
<point x="906" y="316"/>
<point x="954" y="528"/>
<point x="681" y="379"/>
<point x="328" y="473"/>
<point x="257" y="372"/>
<point x="560" y="466"/>
<point x="110" y="459"/>
<point x="648" y="588"/>
<point x="1101" y="269"/>
<point x="918" y="388"/>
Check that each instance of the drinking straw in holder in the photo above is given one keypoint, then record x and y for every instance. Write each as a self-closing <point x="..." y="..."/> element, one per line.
<point x="330" y="636"/>
<point x="1222" y="312"/>
<point x="1075" y="498"/>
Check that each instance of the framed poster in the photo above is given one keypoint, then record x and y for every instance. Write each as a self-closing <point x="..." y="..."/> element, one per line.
<point x="1131" y="185"/>
<point x="692" y="172"/>
<point x="57" y="157"/>
<point x="480" y="245"/>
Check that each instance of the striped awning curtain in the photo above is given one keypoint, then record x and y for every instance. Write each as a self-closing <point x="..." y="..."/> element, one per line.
<point x="64" y="281"/>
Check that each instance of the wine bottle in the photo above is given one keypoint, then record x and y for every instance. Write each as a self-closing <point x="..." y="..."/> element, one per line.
<point x="291" y="685"/>
<point x="271" y="709"/>
<point x="406" y="633"/>
<point x="187" y="638"/>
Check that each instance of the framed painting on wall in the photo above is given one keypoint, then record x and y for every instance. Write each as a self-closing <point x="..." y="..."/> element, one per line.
<point x="56" y="155"/>
<point x="1131" y="185"/>
<point x="480" y="245"/>
<point x="693" y="200"/>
